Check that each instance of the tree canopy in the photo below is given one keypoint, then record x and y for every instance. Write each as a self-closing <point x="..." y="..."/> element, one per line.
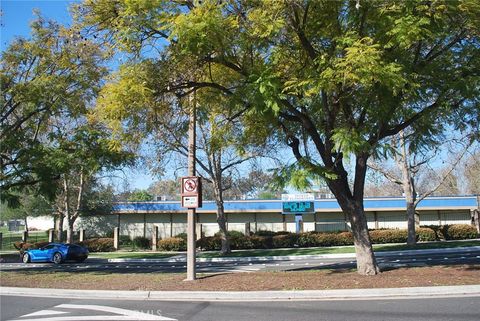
<point x="54" y="74"/>
<point x="335" y="79"/>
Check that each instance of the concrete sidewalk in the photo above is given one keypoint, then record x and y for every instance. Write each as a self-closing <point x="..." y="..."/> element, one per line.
<point x="182" y="257"/>
<point x="360" y="294"/>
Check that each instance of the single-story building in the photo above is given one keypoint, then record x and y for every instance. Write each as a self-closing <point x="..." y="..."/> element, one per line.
<point x="139" y="218"/>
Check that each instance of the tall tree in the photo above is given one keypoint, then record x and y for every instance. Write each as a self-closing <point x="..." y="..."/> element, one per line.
<point x="163" y="119"/>
<point x="85" y="152"/>
<point x="55" y="72"/>
<point x="338" y="78"/>
<point x="472" y="174"/>
<point x="414" y="160"/>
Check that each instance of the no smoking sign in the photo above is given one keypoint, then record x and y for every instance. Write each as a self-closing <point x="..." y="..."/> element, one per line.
<point x="191" y="192"/>
<point x="189" y="185"/>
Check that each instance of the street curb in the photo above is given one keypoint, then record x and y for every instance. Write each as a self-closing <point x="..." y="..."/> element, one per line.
<point x="383" y="293"/>
<point x="295" y="257"/>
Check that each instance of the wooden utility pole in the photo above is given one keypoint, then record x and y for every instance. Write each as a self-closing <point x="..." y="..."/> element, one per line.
<point x="191" y="239"/>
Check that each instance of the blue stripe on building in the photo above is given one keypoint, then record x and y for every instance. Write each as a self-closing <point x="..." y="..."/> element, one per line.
<point x="323" y="205"/>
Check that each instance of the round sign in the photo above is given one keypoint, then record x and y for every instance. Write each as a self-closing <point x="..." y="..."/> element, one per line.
<point x="190" y="185"/>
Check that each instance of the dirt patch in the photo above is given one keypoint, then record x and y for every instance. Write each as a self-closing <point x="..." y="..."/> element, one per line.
<point x="258" y="281"/>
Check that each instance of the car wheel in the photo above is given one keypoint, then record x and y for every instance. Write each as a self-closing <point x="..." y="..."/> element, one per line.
<point x="57" y="258"/>
<point x="25" y="258"/>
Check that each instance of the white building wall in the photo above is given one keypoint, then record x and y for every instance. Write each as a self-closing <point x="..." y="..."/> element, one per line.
<point x="140" y="224"/>
<point x="41" y="223"/>
<point x="330" y="222"/>
<point x="395" y="220"/>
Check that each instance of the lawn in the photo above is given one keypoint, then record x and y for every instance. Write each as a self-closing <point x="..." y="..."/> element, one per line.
<point x="286" y="252"/>
<point x="134" y="255"/>
<point x="342" y="249"/>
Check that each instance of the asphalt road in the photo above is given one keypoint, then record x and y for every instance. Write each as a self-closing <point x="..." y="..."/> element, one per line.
<point x="418" y="309"/>
<point x="394" y="260"/>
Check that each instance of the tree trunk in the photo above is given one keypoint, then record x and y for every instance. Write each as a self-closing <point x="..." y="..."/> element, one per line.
<point x="26" y="224"/>
<point x="70" y="233"/>
<point x="221" y="219"/>
<point x="409" y="190"/>
<point x="411" y="223"/>
<point x="59" y="226"/>
<point x="352" y="205"/>
<point x="366" y="261"/>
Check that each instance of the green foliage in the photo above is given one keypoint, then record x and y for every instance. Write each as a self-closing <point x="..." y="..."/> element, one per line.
<point x="425" y="234"/>
<point x="98" y="245"/>
<point x="140" y="196"/>
<point x="209" y="243"/>
<point x="388" y="236"/>
<point x="287" y="240"/>
<point x="54" y="74"/>
<point x="141" y="242"/>
<point x="172" y="244"/>
<point x="459" y="232"/>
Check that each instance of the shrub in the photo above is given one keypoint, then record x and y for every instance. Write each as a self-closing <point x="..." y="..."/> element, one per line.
<point x="323" y="239"/>
<point x="124" y="240"/>
<point x="425" y="234"/>
<point x="172" y="244"/>
<point x="141" y="242"/>
<point x="182" y="236"/>
<point x="459" y="232"/>
<point x="232" y="234"/>
<point x="307" y="239"/>
<point x="240" y="242"/>
<point x="209" y="243"/>
<point x="261" y="242"/>
<point x="438" y="230"/>
<point x="102" y="244"/>
<point x="388" y="236"/>
<point x="265" y="233"/>
<point x="285" y="240"/>
<point x="342" y="238"/>
<point x="22" y="246"/>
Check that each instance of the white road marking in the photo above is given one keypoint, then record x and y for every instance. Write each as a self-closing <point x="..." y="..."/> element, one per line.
<point x="44" y="312"/>
<point x="120" y="314"/>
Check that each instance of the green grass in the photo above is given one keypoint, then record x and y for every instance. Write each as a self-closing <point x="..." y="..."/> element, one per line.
<point x="136" y="255"/>
<point x="285" y="252"/>
<point x="343" y="249"/>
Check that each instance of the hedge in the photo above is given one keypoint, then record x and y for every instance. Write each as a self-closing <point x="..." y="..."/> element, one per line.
<point x="22" y="246"/>
<point x="459" y="232"/>
<point x="269" y="239"/>
<point x="172" y="244"/>
<point x="286" y="240"/>
<point x="102" y="244"/>
<point x="141" y="242"/>
<point x="388" y="236"/>
<point x="426" y="234"/>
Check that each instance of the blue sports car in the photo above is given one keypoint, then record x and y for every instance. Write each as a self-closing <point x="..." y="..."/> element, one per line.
<point x="56" y="253"/>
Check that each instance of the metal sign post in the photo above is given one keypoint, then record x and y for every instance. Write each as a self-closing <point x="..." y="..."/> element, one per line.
<point x="187" y="185"/>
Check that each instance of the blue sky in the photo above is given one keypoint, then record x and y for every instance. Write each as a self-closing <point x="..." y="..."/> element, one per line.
<point x="15" y="21"/>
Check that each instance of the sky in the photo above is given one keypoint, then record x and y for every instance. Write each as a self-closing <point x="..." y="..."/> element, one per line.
<point x="15" y="21"/>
